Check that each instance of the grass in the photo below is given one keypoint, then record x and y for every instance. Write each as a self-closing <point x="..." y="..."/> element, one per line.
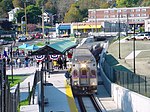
<point x="16" y="80"/>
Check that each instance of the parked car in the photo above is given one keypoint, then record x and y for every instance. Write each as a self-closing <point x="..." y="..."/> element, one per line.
<point x="139" y="36"/>
<point x="3" y="42"/>
<point x="22" y="38"/>
<point x="38" y="35"/>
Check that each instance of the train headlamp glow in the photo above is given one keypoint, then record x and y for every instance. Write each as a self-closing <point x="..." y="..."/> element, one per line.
<point x="83" y="65"/>
<point x="93" y="83"/>
<point x="75" y="83"/>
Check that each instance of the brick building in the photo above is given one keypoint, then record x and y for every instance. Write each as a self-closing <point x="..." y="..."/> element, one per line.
<point x="130" y="16"/>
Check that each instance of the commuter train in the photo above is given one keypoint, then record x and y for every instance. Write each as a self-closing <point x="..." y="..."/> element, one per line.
<point x="84" y="72"/>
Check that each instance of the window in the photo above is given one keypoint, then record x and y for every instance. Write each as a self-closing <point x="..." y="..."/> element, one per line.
<point x="143" y="10"/>
<point x="106" y="16"/>
<point x="143" y="15"/>
<point x="125" y="10"/>
<point x="138" y="15"/>
<point x="106" y="11"/>
<point x="131" y="15"/>
<point x="132" y="10"/>
<point x="137" y="10"/>
<point x="118" y="10"/>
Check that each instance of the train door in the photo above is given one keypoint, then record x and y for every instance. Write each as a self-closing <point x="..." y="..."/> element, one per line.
<point x="84" y="80"/>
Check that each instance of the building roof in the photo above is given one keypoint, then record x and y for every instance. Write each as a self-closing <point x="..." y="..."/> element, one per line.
<point x="56" y="48"/>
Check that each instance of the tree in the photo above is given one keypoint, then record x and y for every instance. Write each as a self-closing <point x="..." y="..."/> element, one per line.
<point x="126" y="3"/>
<point x="6" y="25"/>
<point x="73" y="14"/>
<point x="17" y="3"/>
<point x="5" y="6"/>
<point x="32" y="14"/>
<point x="31" y="27"/>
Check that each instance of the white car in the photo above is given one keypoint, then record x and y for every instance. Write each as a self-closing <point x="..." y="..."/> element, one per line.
<point x="22" y="38"/>
<point x="140" y="36"/>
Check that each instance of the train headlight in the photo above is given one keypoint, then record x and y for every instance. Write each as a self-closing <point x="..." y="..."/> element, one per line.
<point x="93" y="83"/>
<point x="75" y="83"/>
<point x="83" y="65"/>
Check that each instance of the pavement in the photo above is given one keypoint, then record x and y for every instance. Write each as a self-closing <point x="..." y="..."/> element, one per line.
<point x="142" y="55"/>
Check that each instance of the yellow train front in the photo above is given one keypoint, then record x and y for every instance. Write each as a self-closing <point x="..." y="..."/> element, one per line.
<point x="84" y="72"/>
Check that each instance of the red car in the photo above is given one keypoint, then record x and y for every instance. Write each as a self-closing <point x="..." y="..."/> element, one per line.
<point x="38" y="35"/>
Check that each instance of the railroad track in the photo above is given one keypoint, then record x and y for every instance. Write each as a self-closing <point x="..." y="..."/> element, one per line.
<point x="87" y="103"/>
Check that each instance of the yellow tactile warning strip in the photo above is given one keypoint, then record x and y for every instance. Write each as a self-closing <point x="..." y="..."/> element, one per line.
<point x="70" y="98"/>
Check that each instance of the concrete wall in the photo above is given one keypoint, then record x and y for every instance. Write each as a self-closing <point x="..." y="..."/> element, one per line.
<point x="125" y="99"/>
<point x="130" y="101"/>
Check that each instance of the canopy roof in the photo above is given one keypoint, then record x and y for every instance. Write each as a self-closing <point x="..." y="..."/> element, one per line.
<point x="56" y="48"/>
<point x="63" y="46"/>
<point x="46" y="50"/>
<point x="64" y="27"/>
<point x="23" y="46"/>
<point x="32" y="47"/>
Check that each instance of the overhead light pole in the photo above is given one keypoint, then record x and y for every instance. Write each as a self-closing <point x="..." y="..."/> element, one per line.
<point x="25" y="17"/>
<point x="43" y="22"/>
<point x="119" y="35"/>
<point x="134" y="51"/>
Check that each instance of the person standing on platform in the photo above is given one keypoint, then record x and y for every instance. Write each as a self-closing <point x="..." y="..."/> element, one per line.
<point x="65" y="63"/>
<point x="60" y="62"/>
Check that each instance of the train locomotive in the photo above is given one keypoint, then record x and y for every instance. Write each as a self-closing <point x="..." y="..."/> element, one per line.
<point x="84" y="72"/>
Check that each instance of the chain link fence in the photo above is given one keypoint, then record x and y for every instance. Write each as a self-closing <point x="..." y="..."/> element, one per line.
<point x="129" y="80"/>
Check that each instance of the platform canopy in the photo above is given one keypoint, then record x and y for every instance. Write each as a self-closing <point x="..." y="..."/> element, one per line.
<point x="63" y="46"/>
<point x="56" y="48"/>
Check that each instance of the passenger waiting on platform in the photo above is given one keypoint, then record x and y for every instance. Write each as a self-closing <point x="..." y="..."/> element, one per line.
<point x="19" y="62"/>
<point x="65" y="63"/>
<point x="60" y="62"/>
<point x="26" y="61"/>
<point x="8" y="61"/>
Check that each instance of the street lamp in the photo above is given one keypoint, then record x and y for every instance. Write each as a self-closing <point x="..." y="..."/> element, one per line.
<point x="134" y="51"/>
<point x="22" y="22"/>
<point x="119" y="35"/>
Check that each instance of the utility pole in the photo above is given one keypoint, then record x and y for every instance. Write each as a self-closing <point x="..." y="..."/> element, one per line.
<point x="43" y="22"/>
<point x="11" y="60"/>
<point x="134" y="50"/>
<point x="119" y="35"/>
<point x="127" y="24"/>
<point x="25" y="16"/>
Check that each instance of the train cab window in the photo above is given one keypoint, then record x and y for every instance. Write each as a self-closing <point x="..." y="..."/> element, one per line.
<point x="75" y="74"/>
<point x="84" y="72"/>
<point x="93" y="72"/>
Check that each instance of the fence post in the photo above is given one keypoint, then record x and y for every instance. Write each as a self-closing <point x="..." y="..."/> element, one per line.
<point x="146" y="86"/>
<point x="29" y="91"/>
<point x="139" y="82"/>
<point x="19" y="94"/>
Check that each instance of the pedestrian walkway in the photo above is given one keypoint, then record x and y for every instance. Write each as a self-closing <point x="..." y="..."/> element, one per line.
<point x="59" y="94"/>
<point x="22" y="71"/>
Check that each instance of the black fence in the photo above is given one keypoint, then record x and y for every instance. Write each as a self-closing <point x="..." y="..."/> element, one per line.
<point x="129" y="80"/>
<point x="10" y="99"/>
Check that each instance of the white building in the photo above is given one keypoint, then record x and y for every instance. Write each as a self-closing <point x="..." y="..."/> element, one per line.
<point x="147" y="25"/>
<point x="12" y="13"/>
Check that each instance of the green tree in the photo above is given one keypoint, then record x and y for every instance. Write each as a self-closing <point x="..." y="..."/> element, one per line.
<point x="73" y="14"/>
<point x="32" y="14"/>
<point x="17" y="3"/>
<point x="5" y="6"/>
<point x="6" y="25"/>
<point x="126" y="3"/>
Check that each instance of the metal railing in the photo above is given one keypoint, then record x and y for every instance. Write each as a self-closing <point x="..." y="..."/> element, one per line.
<point x="129" y="80"/>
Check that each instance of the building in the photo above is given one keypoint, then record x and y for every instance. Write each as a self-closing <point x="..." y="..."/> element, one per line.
<point x="130" y="16"/>
<point x="12" y="14"/>
<point x="147" y="25"/>
<point x="77" y="28"/>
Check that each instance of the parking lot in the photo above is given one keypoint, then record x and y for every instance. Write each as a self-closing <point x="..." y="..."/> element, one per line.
<point x="142" y="59"/>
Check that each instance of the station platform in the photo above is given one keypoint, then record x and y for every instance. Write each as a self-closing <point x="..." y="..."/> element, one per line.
<point x="59" y="94"/>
